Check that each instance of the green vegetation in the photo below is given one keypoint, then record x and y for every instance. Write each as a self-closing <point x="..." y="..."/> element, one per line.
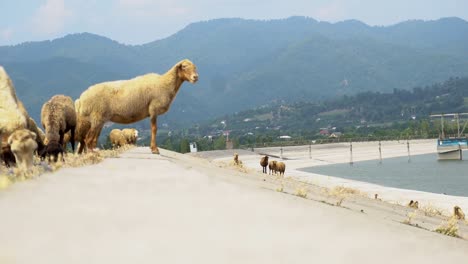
<point x="370" y="116"/>
<point x="248" y="63"/>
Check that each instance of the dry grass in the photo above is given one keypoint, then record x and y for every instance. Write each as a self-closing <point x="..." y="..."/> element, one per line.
<point x="409" y="218"/>
<point x="430" y="210"/>
<point x="9" y="176"/>
<point x="302" y="191"/>
<point x="343" y="191"/>
<point x="449" y="228"/>
<point x="280" y="189"/>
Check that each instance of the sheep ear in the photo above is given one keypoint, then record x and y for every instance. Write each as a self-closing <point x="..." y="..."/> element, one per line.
<point x="10" y="140"/>
<point x="33" y="135"/>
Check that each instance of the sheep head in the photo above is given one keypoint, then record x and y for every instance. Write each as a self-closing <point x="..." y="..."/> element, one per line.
<point x="187" y="71"/>
<point x="53" y="148"/>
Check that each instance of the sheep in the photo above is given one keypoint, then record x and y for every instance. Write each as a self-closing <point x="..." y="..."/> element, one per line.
<point x="13" y="116"/>
<point x="129" y="101"/>
<point x="458" y="213"/>
<point x="23" y="144"/>
<point x="413" y="204"/>
<point x="131" y="135"/>
<point x="264" y="163"/>
<point x="58" y="116"/>
<point x="272" y="167"/>
<point x="117" y="138"/>
<point x="236" y="159"/>
<point x="281" y="167"/>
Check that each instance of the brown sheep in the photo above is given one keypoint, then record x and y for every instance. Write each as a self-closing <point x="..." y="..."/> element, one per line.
<point x="264" y="163"/>
<point x="13" y="116"/>
<point x="58" y="116"/>
<point x="272" y="167"/>
<point x="131" y="134"/>
<point x="129" y="101"/>
<point x="413" y="204"/>
<point x="458" y="213"/>
<point x="117" y="138"/>
<point x="281" y="167"/>
<point x="23" y="144"/>
<point x="236" y="158"/>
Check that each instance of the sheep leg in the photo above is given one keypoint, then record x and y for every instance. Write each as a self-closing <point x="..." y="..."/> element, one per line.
<point x="92" y="137"/>
<point x="154" y="131"/>
<point x="72" y="139"/>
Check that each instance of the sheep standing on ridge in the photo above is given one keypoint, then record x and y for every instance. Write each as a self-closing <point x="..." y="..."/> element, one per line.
<point x="272" y="167"/>
<point x="281" y="167"/>
<point x="458" y="213"/>
<point x="129" y="101"/>
<point x="131" y="135"/>
<point x="58" y="116"/>
<point x="264" y="163"/>
<point x="13" y="116"/>
<point x="117" y="138"/>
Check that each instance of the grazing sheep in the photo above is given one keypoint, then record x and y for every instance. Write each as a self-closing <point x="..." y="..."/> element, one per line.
<point x="13" y="116"/>
<point x="264" y="163"/>
<point x="117" y="138"/>
<point x="281" y="167"/>
<point x="58" y="116"/>
<point x="272" y="167"/>
<point x="131" y="134"/>
<point x="129" y="101"/>
<point x="458" y="213"/>
<point x="23" y="144"/>
<point x="413" y="204"/>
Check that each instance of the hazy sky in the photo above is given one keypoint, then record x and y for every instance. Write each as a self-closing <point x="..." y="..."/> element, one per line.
<point x="141" y="21"/>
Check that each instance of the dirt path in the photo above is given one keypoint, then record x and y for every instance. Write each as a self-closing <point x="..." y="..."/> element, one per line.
<point x="144" y="208"/>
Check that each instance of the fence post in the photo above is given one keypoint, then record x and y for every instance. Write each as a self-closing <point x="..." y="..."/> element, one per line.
<point x="351" y="153"/>
<point x="310" y="149"/>
<point x="380" y="152"/>
<point x="409" y="154"/>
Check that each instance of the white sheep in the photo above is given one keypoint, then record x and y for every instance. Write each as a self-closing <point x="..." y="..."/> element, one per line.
<point x="13" y="116"/>
<point x="23" y="144"/>
<point x="132" y="100"/>
<point x="117" y="138"/>
<point x="131" y="135"/>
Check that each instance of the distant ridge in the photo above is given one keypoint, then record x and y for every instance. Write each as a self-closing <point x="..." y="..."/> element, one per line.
<point x="246" y="63"/>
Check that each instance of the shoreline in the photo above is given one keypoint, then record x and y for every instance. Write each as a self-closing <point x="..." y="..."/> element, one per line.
<point x="297" y="158"/>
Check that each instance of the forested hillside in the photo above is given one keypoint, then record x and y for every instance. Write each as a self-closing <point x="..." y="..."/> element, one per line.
<point x="249" y="63"/>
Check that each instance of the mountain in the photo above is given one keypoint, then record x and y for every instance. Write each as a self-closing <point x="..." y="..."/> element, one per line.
<point x="246" y="63"/>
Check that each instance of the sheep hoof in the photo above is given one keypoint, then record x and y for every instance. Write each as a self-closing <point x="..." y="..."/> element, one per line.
<point x="155" y="150"/>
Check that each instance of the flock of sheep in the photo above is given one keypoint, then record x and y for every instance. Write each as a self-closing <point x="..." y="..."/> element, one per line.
<point x="122" y="102"/>
<point x="274" y="166"/>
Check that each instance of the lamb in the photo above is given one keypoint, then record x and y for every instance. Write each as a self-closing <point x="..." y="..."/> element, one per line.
<point x="117" y="138"/>
<point x="458" y="213"/>
<point x="264" y="163"/>
<point x="272" y="167"/>
<point x="58" y="116"/>
<point x="129" y="101"/>
<point x="23" y="144"/>
<point x="281" y="167"/>
<point x="131" y="135"/>
<point x="13" y="116"/>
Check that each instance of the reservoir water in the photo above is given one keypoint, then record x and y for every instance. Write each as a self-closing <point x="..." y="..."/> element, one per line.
<point x="422" y="173"/>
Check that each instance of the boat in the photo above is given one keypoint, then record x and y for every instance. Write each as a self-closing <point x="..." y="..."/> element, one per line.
<point x="451" y="148"/>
